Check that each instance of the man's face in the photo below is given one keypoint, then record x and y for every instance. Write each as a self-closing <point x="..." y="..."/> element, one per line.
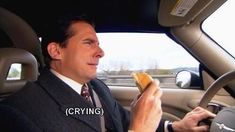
<point x="81" y="56"/>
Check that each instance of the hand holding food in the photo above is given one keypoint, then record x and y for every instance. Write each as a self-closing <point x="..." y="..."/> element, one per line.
<point x="146" y="110"/>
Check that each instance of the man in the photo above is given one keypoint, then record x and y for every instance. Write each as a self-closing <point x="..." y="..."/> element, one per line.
<point x="54" y="102"/>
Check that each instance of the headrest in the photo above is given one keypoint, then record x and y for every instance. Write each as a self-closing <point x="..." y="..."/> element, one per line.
<point x="29" y="69"/>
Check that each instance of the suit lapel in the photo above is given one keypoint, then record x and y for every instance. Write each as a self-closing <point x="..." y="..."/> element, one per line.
<point x="67" y="99"/>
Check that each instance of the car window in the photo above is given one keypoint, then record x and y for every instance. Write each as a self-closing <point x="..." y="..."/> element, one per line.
<point x="223" y="35"/>
<point x="153" y="53"/>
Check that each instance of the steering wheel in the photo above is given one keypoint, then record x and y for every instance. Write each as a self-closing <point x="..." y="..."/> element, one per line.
<point x="215" y="87"/>
<point x="226" y="117"/>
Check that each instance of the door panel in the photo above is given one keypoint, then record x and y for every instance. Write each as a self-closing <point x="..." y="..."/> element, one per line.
<point x="175" y="102"/>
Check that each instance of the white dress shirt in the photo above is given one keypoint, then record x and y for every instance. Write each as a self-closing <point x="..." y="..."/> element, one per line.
<point x="73" y="84"/>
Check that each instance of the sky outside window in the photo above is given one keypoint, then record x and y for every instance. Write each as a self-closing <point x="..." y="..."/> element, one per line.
<point x="220" y="26"/>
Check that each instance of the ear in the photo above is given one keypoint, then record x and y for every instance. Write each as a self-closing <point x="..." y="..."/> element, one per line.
<point x="54" y="50"/>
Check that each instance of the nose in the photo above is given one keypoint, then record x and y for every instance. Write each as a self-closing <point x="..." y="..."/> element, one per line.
<point x="100" y="52"/>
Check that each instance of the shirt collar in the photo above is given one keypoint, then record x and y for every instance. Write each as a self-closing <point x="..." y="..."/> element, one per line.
<point x="73" y="84"/>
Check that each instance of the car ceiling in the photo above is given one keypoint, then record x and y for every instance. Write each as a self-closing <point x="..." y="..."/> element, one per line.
<point x="108" y="15"/>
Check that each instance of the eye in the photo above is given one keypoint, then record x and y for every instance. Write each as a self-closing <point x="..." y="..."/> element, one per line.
<point x="89" y="42"/>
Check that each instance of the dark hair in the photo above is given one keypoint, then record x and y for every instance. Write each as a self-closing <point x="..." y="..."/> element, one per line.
<point x="58" y="31"/>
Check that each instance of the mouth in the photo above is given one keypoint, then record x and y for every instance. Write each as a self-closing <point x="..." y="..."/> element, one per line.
<point x="93" y="65"/>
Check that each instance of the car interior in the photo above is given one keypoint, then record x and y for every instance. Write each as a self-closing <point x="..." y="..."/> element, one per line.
<point x="21" y="26"/>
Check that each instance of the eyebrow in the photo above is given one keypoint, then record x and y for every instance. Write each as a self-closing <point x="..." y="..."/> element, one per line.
<point x="88" y="39"/>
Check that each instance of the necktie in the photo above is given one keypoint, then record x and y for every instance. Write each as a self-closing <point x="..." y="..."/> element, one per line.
<point x="85" y="93"/>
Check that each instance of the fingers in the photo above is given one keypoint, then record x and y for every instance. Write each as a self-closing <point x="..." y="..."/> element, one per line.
<point x="151" y="93"/>
<point x="202" y="113"/>
<point x="146" y="110"/>
<point x="203" y="128"/>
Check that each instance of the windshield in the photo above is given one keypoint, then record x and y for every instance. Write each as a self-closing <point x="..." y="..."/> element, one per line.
<point x="223" y="35"/>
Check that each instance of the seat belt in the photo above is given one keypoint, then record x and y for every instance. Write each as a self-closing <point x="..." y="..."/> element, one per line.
<point x="98" y="104"/>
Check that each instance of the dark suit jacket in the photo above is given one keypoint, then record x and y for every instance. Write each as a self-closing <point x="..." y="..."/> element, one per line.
<point x="41" y="106"/>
